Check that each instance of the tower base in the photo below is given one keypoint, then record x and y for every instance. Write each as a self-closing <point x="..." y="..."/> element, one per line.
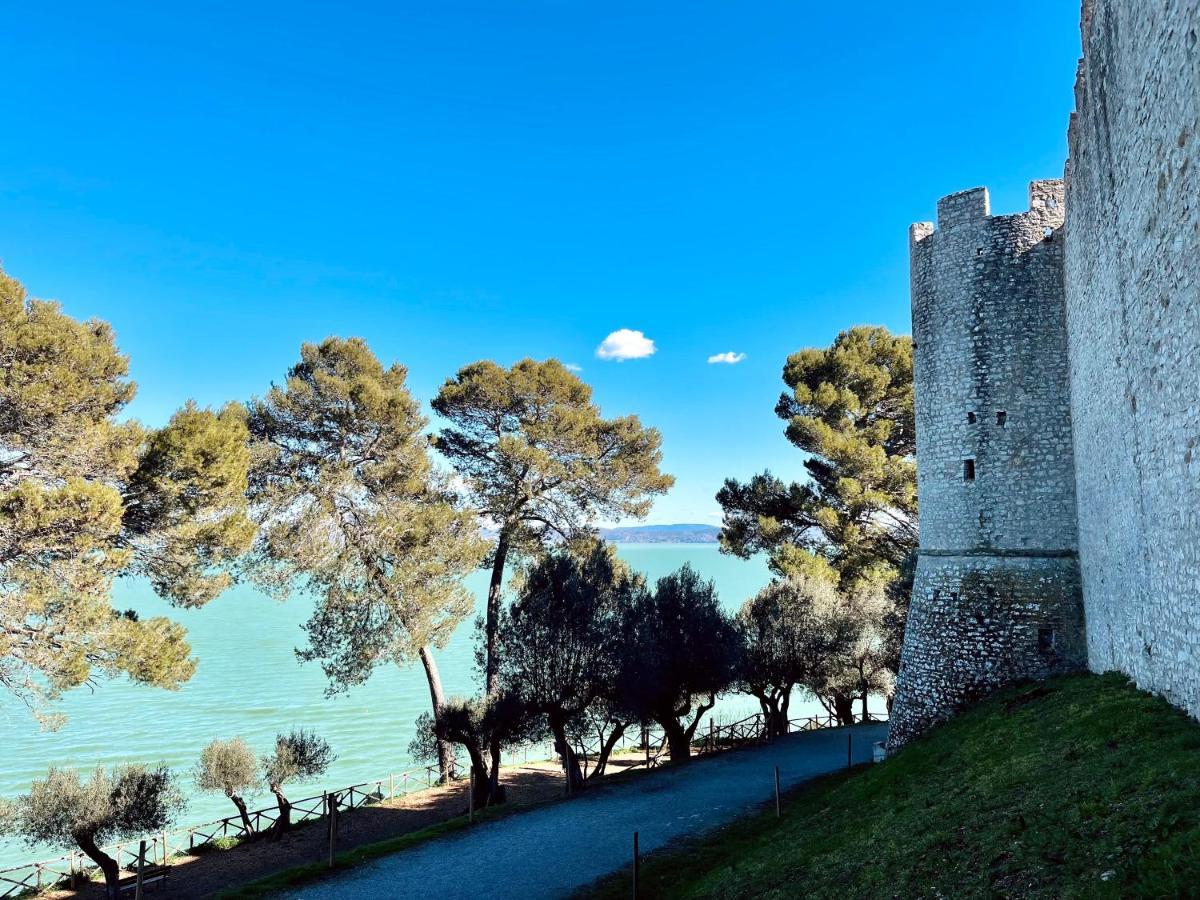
<point x="980" y="622"/>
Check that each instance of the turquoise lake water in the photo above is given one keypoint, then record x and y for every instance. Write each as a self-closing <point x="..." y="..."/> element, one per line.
<point x="250" y="683"/>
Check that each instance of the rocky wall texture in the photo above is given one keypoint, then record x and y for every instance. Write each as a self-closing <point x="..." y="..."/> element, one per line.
<point x="1132" y="276"/>
<point x="997" y="596"/>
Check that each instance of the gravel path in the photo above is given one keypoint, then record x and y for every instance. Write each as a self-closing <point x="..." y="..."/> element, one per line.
<point x="552" y="851"/>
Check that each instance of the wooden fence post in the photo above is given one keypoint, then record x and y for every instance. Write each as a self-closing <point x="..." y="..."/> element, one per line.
<point x="137" y="889"/>
<point x="778" y="805"/>
<point x="635" y="866"/>
<point x="331" y="814"/>
<point x="391" y="786"/>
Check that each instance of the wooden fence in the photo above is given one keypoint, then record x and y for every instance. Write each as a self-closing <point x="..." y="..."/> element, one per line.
<point x="35" y="876"/>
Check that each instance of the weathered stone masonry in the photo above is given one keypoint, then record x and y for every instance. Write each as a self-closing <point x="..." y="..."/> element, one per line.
<point x="1133" y="319"/>
<point x="997" y="592"/>
<point x="1086" y="335"/>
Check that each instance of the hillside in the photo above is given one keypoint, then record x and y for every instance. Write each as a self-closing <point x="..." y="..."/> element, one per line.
<point x="662" y="534"/>
<point x="1079" y="787"/>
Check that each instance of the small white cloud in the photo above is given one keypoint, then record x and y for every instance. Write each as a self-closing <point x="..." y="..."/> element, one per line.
<point x="573" y="367"/>
<point x="625" y="344"/>
<point x="730" y="358"/>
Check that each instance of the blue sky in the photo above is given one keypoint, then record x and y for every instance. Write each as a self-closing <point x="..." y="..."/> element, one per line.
<point x="454" y="181"/>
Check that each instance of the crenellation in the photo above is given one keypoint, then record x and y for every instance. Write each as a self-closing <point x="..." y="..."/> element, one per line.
<point x="1058" y="397"/>
<point x="997" y="565"/>
<point x="962" y="208"/>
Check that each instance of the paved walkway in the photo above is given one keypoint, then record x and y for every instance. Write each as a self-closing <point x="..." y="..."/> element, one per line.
<point x="557" y="849"/>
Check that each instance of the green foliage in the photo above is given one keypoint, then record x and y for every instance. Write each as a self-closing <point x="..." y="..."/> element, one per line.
<point x="850" y="409"/>
<point x="791" y="635"/>
<point x="1078" y="787"/>
<point x="681" y="652"/>
<point x="62" y="809"/>
<point x="538" y="457"/>
<point x="351" y="508"/>
<point x="298" y="756"/>
<point x="227" y="767"/>
<point x="86" y="497"/>
<point x="562" y="638"/>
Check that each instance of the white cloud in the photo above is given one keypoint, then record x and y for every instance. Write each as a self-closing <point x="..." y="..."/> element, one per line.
<point x="730" y="358"/>
<point x="625" y="344"/>
<point x="573" y="367"/>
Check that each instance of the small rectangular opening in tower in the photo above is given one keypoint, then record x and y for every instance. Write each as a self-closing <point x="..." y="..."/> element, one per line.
<point x="968" y="470"/>
<point x="1046" y="638"/>
<point x="971" y="418"/>
<point x="1001" y="417"/>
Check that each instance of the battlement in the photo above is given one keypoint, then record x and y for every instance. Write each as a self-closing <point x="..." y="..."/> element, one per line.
<point x="1046" y="205"/>
<point x="964" y="206"/>
<point x="1047" y="194"/>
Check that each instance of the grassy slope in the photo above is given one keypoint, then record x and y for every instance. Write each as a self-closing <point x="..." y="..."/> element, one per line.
<point x="1079" y="787"/>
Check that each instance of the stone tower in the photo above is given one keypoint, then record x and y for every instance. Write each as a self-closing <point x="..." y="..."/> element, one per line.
<point x="997" y="593"/>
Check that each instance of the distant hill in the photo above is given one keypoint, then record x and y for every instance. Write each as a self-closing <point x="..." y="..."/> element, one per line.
<point x="662" y="534"/>
<point x="648" y="534"/>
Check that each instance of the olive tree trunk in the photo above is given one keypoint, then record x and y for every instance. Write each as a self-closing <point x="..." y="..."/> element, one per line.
<point x="108" y="865"/>
<point x="284" y="821"/>
<point x="843" y="709"/>
<point x="243" y="812"/>
<point x="606" y="748"/>
<point x="562" y="746"/>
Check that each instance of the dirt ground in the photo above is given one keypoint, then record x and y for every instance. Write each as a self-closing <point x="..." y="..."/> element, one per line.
<point x="209" y="873"/>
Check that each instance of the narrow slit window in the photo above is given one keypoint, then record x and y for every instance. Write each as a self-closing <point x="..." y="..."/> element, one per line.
<point x="1001" y="417"/>
<point x="971" y="418"/>
<point x="968" y="470"/>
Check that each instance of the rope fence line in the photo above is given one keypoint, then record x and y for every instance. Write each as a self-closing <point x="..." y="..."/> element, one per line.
<point x="39" y="875"/>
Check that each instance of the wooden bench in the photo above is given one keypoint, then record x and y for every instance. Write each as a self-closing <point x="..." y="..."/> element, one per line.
<point x="150" y="875"/>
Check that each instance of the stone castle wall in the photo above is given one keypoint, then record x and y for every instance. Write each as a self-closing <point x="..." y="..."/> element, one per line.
<point x="997" y="590"/>
<point x="1088" y="338"/>
<point x="1133" y="318"/>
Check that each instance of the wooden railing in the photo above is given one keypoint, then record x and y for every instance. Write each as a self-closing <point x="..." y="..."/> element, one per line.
<point x="36" y="876"/>
<point x="753" y="729"/>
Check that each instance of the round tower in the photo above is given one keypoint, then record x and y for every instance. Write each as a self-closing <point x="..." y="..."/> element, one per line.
<point x="997" y="591"/>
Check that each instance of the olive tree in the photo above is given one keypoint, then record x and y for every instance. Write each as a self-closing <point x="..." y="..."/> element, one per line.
<point x="791" y="638"/>
<point x="298" y="756"/>
<point x="681" y="652"/>
<point x="352" y="509"/>
<point x="88" y="496"/>
<point x="561" y="639"/>
<point x="864" y="666"/>
<point x="230" y="768"/>
<point x="124" y="803"/>
<point x="477" y="724"/>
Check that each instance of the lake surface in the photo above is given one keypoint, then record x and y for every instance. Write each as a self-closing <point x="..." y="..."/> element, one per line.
<point x="250" y="683"/>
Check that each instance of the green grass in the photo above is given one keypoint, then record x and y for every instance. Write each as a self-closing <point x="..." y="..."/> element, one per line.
<point x="1079" y="787"/>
